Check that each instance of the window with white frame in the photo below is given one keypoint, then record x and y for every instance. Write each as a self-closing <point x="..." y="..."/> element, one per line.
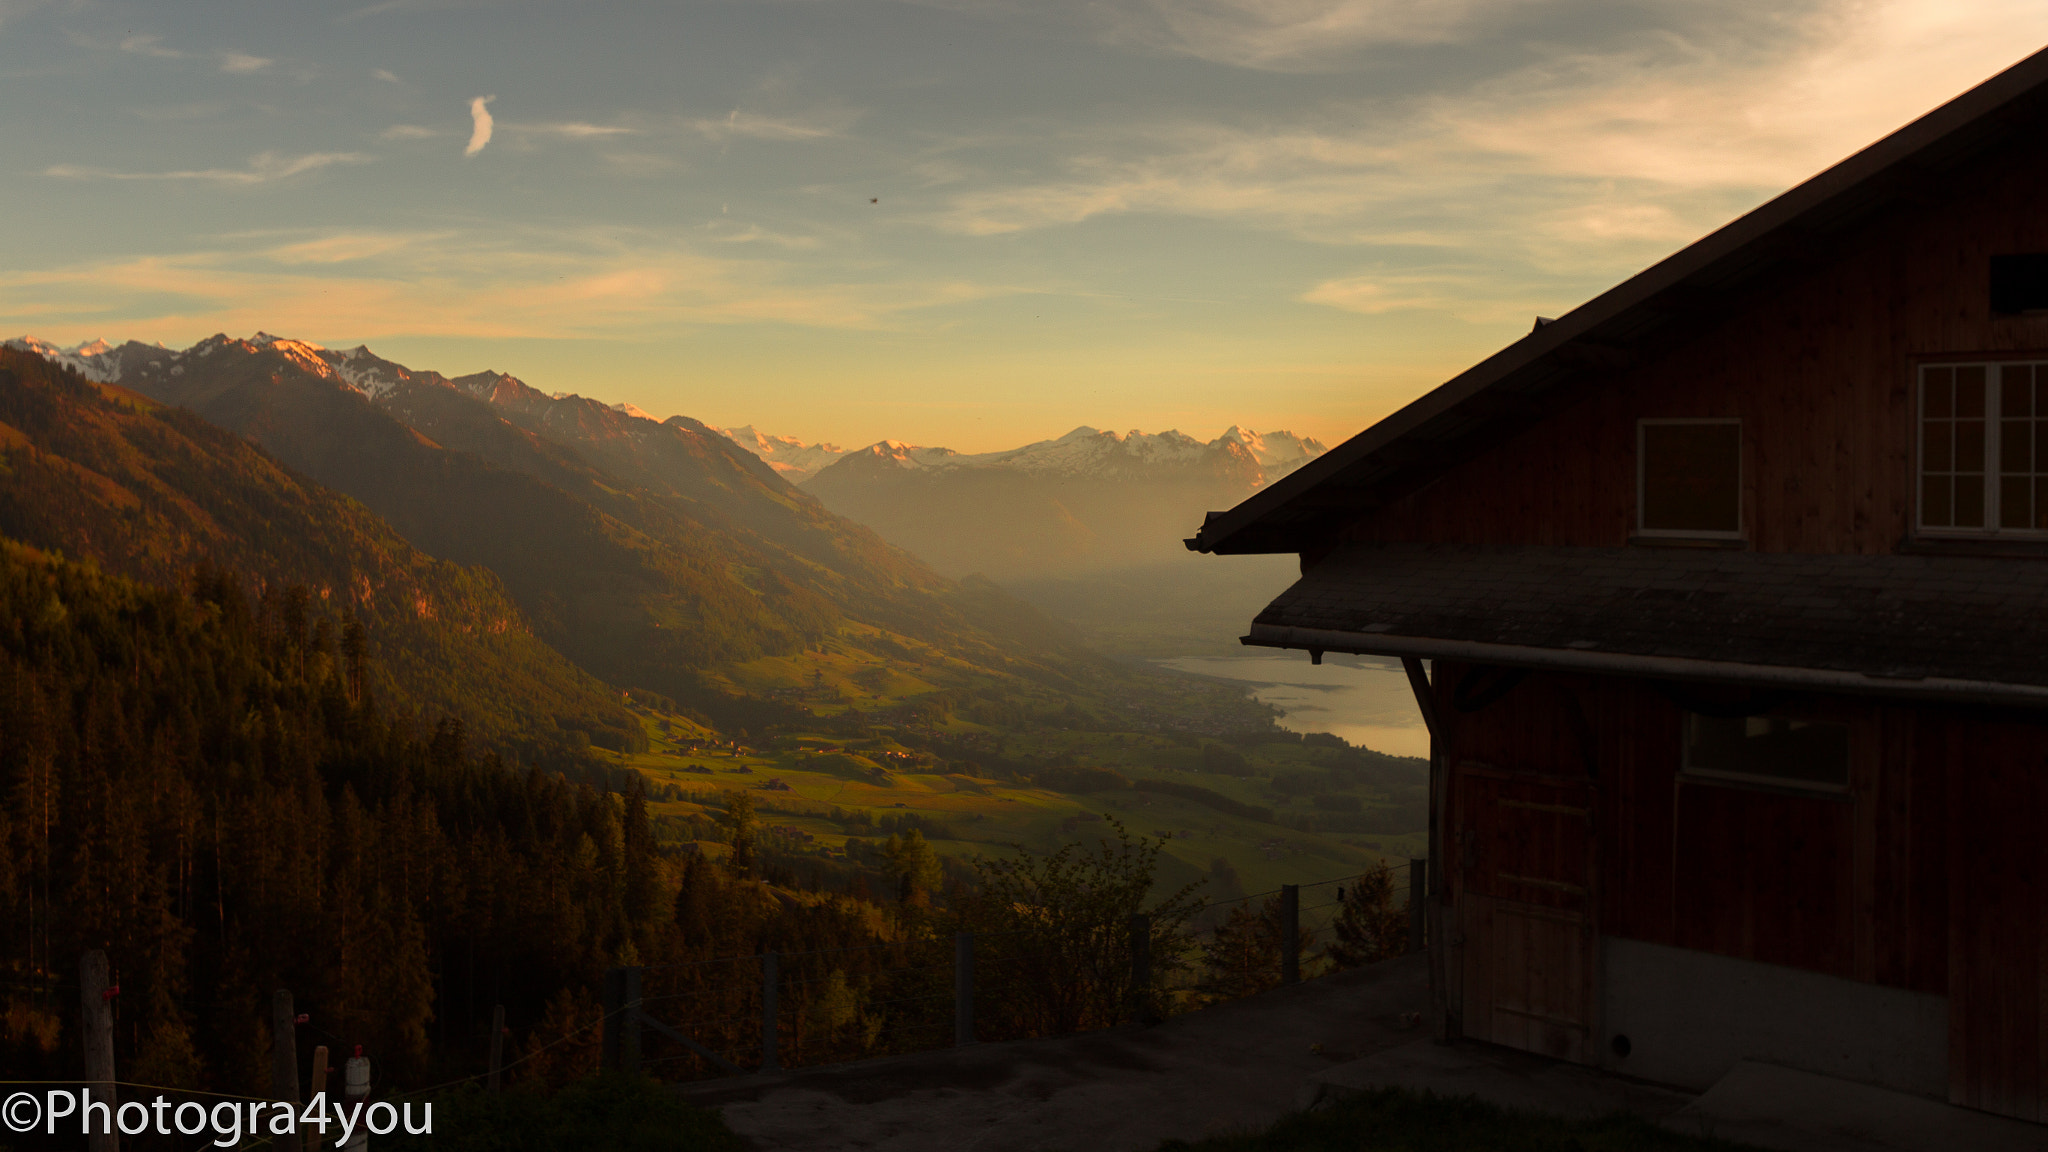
<point x="1984" y="448"/>
<point x="1689" y="477"/>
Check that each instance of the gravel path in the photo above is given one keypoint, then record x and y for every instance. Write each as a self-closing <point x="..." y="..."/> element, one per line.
<point x="1236" y="1066"/>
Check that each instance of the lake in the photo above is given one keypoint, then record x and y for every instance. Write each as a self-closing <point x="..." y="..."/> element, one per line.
<point x="1367" y="701"/>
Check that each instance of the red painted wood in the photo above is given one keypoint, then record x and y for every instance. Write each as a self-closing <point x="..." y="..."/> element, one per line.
<point x="1817" y="364"/>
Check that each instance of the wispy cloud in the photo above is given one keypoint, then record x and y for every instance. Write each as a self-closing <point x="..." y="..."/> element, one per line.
<point x="241" y="63"/>
<point x="1537" y="184"/>
<point x="264" y="168"/>
<point x="408" y="132"/>
<point x="573" y="130"/>
<point x="386" y="75"/>
<point x="572" y="285"/>
<point x="747" y="124"/>
<point x="139" y="45"/>
<point x="480" y="121"/>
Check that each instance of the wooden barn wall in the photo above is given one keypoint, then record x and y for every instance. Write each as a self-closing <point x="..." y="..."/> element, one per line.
<point x="1818" y="366"/>
<point x="1854" y="887"/>
<point x="1998" y="936"/>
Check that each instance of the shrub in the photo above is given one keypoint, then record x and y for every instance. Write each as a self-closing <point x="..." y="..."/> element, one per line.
<point x="1058" y="928"/>
<point x="609" y="1113"/>
<point x="1066" y="779"/>
<point x="1206" y="798"/>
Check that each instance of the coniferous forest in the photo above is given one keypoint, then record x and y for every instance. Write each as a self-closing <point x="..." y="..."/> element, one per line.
<point x="251" y="739"/>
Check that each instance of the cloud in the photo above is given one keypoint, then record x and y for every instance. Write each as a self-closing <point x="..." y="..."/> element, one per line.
<point x="748" y="124"/>
<point x="241" y="64"/>
<point x="264" y="168"/>
<point x="480" y="116"/>
<point x="574" y="130"/>
<point x="149" y="46"/>
<point x="544" y="285"/>
<point x="1292" y="35"/>
<point x="407" y="132"/>
<point x="386" y="76"/>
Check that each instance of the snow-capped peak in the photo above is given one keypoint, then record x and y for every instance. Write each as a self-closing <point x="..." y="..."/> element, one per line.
<point x="628" y="408"/>
<point x="791" y="458"/>
<point x="95" y="359"/>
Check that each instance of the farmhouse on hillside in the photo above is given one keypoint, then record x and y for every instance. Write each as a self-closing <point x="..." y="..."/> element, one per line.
<point x="1734" y="587"/>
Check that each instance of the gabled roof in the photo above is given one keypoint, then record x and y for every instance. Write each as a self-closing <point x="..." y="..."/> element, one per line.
<point x="1630" y="322"/>
<point x="1885" y="625"/>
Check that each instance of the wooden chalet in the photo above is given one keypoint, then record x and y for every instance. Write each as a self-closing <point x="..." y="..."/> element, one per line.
<point x="1734" y="587"/>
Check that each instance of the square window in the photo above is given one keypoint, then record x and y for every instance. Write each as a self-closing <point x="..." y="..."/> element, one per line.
<point x="1689" y="476"/>
<point x="1782" y="750"/>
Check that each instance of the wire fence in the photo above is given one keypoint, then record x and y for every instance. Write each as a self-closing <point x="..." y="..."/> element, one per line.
<point x="774" y="1011"/>
<point x="823" y="1006"/>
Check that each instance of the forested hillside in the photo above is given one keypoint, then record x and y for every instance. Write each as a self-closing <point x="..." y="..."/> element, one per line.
<point x="658" y="556"/>
<point x="194" y="786"/>
<point x="97" y="472"/>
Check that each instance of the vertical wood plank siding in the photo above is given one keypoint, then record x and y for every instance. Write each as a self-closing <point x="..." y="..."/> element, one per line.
<point x="1854" y="887"/>
<point x="1818" y="366"/>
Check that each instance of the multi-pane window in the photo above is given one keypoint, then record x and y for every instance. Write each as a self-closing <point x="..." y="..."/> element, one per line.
<point x="1984" y="447"/>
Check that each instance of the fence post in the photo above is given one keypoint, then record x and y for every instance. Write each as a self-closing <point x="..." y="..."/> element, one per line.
<point x="612" y="1046"/>
<point x="769" y="979"/>
<point x="497" y="1044"/>
<point x="318" y="1086"/>
<point x="355" y="1095"/>
<point x="284" y="1062"/>
<point x="963" y="989"/>
<point x="621" y="1051"/>
<point x="1418" y="892"/>
<point x="96" y="1011"/>
<point x="1141" y="970"/>
<point x="1290" y="933"/>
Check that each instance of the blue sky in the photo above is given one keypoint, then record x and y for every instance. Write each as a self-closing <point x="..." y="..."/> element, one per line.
<point x="961" y="222"/>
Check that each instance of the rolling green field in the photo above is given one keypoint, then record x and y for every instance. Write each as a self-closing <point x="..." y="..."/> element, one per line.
<point x="977" y="790"/>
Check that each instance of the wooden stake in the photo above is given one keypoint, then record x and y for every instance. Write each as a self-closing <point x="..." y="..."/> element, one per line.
<point x="96" y="1009"/>
<point x="284" y="1062"/>
<point x="497" y="1043"/>
<point x="319" y="1086"/>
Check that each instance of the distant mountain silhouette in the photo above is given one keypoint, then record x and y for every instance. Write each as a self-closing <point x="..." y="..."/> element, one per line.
<point x="1087" y="501"/>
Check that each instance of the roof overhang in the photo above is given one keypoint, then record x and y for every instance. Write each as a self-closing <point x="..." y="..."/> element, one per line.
<point x="1932" y="688"/>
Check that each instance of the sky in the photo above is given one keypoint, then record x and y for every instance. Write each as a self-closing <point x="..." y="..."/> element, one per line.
<point x="969" y="223"/>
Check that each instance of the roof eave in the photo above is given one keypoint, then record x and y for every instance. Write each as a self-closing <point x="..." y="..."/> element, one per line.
<point x="1931" y="689"/>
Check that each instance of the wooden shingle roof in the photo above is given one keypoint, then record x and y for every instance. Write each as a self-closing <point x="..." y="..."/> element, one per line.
<point x="1887" y="624"/>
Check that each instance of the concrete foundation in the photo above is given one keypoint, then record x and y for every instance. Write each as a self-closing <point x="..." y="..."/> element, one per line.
<point x="1689" y="1018"/>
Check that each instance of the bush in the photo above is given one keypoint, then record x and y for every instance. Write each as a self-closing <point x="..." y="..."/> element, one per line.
<point x="609" y="1113"/>
<point x="1300" y="783"/>
<point x="1225" y="761"/>
<point x="1058" y="928"/>
<point x="1080" y="780"/>
<point x="1206" y="798"/>
<point x="1398" y="1120"/>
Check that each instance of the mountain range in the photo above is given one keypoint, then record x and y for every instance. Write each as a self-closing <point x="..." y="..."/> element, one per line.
<point x="1089" y="501"/>
<point x="657" y="555"/>
<point x="1259" y="458"/>
<point x="102" y="473"/>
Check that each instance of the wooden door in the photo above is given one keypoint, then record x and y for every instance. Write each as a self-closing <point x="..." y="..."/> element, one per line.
<point x="1525" y="857"/>
<point x="1998" y="917"/>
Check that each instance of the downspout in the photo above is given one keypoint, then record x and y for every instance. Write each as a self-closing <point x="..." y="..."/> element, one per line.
<point x="1433" y="907"/>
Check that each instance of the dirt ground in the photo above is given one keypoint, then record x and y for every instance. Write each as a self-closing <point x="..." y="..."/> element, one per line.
<point x="1237" y="1066"/>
